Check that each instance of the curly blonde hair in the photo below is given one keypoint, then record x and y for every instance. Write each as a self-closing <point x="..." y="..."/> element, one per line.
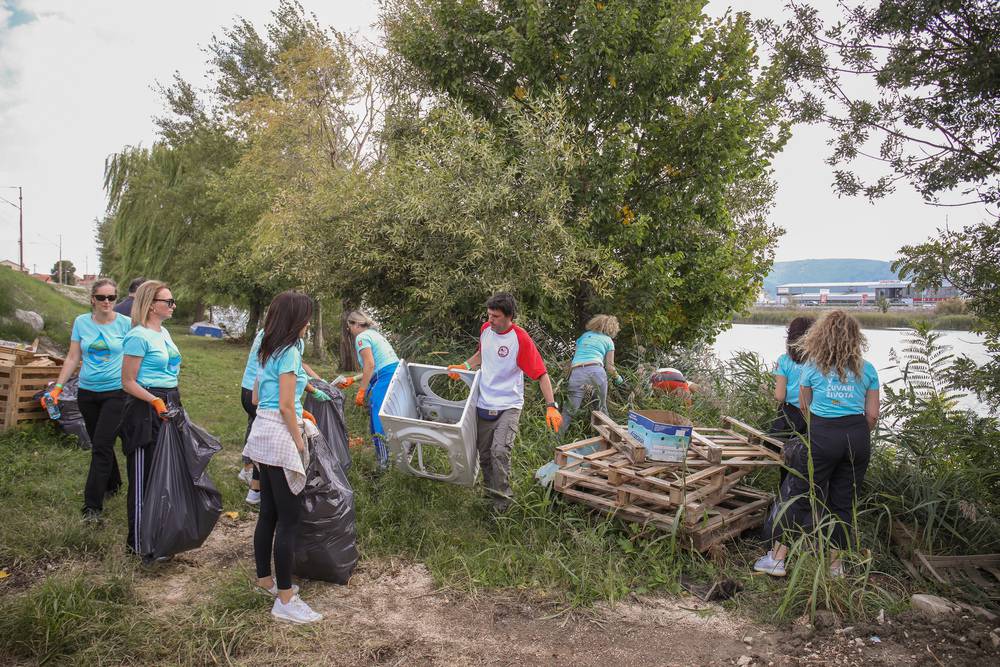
<point x="604" y="324"/>
<point x="835" y="343"/>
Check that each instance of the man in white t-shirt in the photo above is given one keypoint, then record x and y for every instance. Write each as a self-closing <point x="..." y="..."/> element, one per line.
<point x="506" y="354"/>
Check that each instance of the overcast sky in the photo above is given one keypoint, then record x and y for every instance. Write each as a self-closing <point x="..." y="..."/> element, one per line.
<point x="77" y="84"/>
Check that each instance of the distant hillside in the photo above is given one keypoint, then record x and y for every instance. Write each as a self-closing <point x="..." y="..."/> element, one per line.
<point x="826" y="270"/>
<point x="18" y="290"/>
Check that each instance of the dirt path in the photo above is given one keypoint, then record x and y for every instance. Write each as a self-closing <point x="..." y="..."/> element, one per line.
<point x="392" y="613"/>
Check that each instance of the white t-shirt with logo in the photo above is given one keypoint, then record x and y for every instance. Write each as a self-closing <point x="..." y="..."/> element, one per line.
<point x="506" y="357"/>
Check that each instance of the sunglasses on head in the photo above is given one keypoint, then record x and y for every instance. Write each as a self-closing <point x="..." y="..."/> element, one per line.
<point x="171" y="303"/>
<point x="105" y="297"/>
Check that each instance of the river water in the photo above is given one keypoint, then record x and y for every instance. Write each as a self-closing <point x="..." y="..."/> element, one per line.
<point x="768" y="341"/>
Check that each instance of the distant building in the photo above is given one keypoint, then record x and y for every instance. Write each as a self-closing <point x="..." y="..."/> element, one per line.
<point x="44" y="277"/>
<point x="87" y="280"/>
<point x="895" y="292"/>
<point x="13" y="265"/>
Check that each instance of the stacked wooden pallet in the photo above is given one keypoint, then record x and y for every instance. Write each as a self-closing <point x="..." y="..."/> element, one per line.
<point x="23" y="373"/>
<point x="700" y="498"/>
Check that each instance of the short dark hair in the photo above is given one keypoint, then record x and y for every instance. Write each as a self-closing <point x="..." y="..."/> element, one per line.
<point x="134" y="286"/>
<point x="504" y="302"/>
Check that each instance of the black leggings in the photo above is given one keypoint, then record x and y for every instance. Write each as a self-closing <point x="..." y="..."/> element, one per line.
<point x="276" y="526"/>
<point x="841" y="450"/>
<point x="102" y="415"/>
<point x="246" y="398"/>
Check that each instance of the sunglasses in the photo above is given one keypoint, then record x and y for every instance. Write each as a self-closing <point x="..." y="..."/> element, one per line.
<point x="106" y="297"/>
<point x="171" y="303"/>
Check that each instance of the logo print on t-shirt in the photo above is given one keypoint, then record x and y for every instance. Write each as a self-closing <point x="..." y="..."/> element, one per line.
<point x="503" y="351"/>
<point x="98" y="352"/>
<point x="173" y="361"/>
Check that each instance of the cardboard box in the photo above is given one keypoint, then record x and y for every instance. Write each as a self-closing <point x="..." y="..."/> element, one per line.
<point x="665" y="435"/>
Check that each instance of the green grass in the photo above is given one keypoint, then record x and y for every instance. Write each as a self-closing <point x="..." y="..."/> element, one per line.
<point x="74" y="596"/>
<point x="894" y="319"/>
<point x="18" y="290"/>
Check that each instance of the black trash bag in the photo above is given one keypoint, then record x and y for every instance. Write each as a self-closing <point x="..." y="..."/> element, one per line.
<point x="330" y="420"/>
<point x="70" y="419"/>
<point x="785" y="512"/>
<point x="326" y="544"/>
<point x="180" y="504"/>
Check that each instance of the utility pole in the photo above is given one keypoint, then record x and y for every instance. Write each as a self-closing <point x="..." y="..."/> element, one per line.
<point x="61" y="281"/>
<point x="20" y="210"/>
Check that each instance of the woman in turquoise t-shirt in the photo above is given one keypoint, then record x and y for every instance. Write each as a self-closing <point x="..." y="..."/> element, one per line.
<point x="96" y="346"/>
<point x="595" y="352"/>
<point x="378" y="362"/>
<point x="150" y="371"/>
<point x="786" y="381"/>
<point x="277" y="445"/>
<point x="839" y="393"/>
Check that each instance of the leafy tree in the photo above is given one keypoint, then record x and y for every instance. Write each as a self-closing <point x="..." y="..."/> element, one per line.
<point x="934" y="117"/>
<point x="672" y="120"/>
<point x="63" y="272"/>
<point x="970" y="260"/>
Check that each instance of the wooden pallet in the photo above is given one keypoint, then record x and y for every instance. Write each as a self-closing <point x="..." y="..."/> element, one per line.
<point x="739" y="509"/>
<point x="18" y="386"/>
<point x="618" y="437"/>
<point x="981" y="572"/>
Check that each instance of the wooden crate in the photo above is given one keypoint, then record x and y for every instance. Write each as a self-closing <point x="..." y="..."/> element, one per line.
<point x="978" y="572"/>
<point x="18" y="385"/>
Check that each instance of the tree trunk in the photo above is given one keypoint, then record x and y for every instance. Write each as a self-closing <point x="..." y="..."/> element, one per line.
<point x="253" y="319"/>
<point x="347" y="360"/>
<point x="319" y="346"/>
<point x="199" y="311"/>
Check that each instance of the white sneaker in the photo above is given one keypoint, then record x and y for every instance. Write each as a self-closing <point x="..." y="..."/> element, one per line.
<point x="246" y="475"/>
<point x="253" y="497"/>
<point x="273" y="590"/>
<point x="296" y="611"/>
<point x="768" y="564"/>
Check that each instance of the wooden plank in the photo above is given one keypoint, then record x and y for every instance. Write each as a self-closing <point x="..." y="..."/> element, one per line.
<point x="618" y="436"/>
<point x="705" y="448"/>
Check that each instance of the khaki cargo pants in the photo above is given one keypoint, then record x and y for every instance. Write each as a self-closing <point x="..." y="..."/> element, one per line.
<point x="494" y="441"/>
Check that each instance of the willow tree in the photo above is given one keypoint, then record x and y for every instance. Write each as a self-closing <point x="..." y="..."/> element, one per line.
<point x="673" y="118"/>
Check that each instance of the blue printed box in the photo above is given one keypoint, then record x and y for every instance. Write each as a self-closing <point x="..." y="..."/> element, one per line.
<point x="665" y="435"/>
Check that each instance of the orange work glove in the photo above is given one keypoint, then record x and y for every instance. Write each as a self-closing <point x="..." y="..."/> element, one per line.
<point x="52" y="395"/>
<point x="462" y="367"/>
<point x="345" y="383"/>
<point x="160" y="407"/>
<point x="308" y="415"/>
<point x="359" y="398"/>
<point x="553" y="420"/>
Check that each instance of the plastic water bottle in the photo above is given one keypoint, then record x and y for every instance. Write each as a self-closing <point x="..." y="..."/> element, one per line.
<point x="52" y="407"/>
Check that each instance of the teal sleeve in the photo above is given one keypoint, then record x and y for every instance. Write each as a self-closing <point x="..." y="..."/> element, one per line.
<point x="75" y="335"/>
<point x="135" y="346"/>
<point x="364" y="341"/>
<point x="780" y="368"/>
<point x="871" y="377"/>
<point x="611" y="345"/>
<point x="806" y="379"/>
<point x="290" y="361"/>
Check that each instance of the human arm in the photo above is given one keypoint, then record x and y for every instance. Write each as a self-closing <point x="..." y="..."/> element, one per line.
<point x="286" y="406"/>
<point x="130" y="371"/>
<point x="609" y="365"/>
<point x="69" y="366"/>
<point x="805" y="400"/>
<point x="552" y="417"/>
<point x="871" y="408"/>
<point x="780" y="388"/>
<point x="310" y="372"/>
<point x="256" y="391"/>
<point x="367" y="370"/>
<point x="470" y="364"/>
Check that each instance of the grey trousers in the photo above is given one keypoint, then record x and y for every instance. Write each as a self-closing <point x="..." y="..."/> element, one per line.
<point x="579" y="379"/>
<point x="494" y="441"/>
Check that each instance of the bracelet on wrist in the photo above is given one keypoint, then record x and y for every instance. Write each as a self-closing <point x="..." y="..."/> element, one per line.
<point x="467" y="366"/>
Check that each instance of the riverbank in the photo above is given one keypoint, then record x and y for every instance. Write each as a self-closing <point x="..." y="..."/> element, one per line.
<point x="869" y="319"/>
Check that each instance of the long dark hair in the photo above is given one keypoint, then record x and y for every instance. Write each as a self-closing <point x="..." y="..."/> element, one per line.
<point x="287" y="314"/>
<point x="796" y="329"/>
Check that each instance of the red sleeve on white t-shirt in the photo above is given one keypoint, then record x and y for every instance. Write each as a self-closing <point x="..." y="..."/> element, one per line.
<point x="483" y="328"/>
<point x="528" y="358"/>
